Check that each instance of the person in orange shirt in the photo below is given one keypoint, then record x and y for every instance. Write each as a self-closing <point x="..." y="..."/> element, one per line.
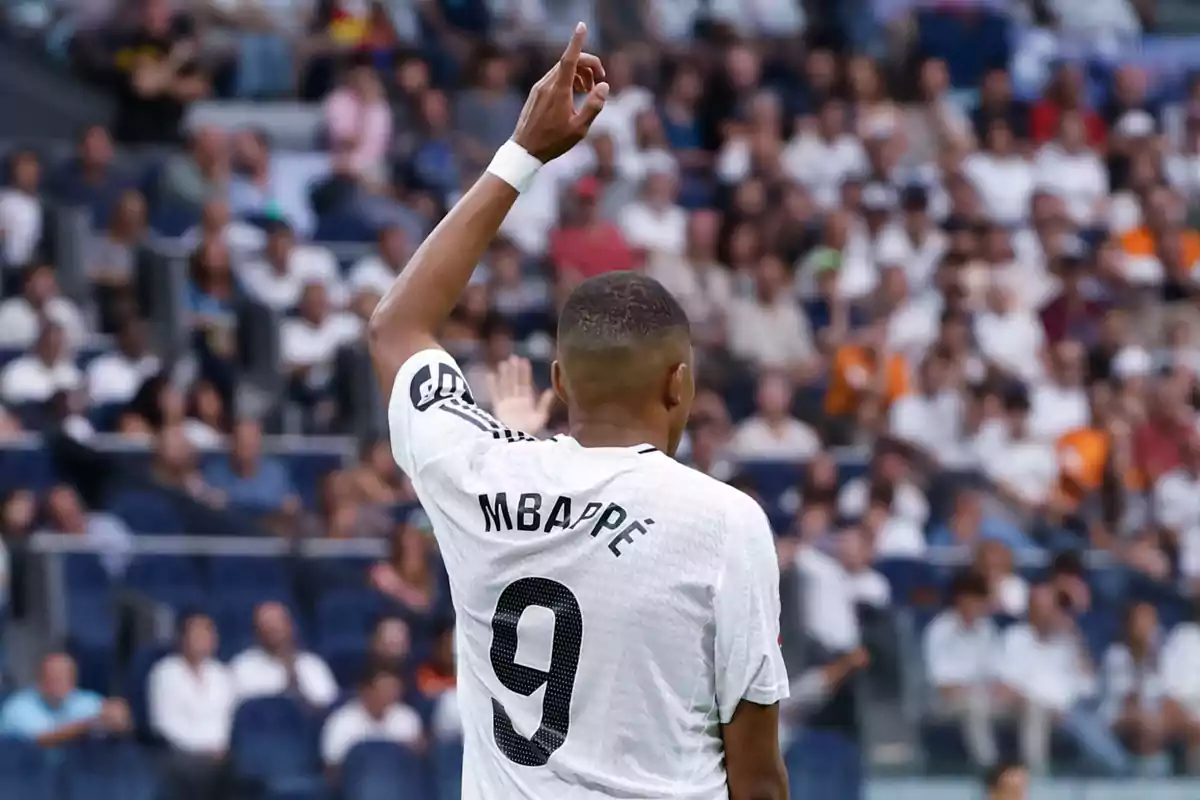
<point x="438" y="674"/>
<point x="865" y="379"/>
<point x="1092" y="456"/>
<point x="1162" y="244"/>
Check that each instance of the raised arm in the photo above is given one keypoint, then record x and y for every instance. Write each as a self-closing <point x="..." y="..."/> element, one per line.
<point x="406" y="321"/>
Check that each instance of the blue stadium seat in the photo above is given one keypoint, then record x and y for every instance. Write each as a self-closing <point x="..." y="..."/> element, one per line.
<point x="24" y="771"/>
<point x="273" y="744"/>
<point x="173" y="580"/>
<point x="147" y="511"/>
<point x="347" y="612"/>
<point x="772" y="478"/>
<point x="83" y="572"/>
<point x="447" y="769"/>
<point x="26" y="468"/>
<point x="107" y="770"/>
<point x="94" y="662"/>
<point x="374" y="771"/>
<point x="249" y="577"/>
<point x="172" y="222"/>
<point x="345" y="227"/>
<point x="137" y="688"/>
<point x="907" y="576"/>
<point x="345" y="657"/>
<point x="90" y="617"/>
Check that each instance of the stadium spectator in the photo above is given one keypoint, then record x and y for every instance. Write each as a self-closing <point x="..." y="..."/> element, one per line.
<point x="117" y="376"/>
<point x="377" y="479"/>
<point x="175" y="467"/>
<point x="1007" y="781"/>
<point x="773" y="433"/>
<point x="340" y="514"/>
<point x="391" y="645"/>
<point x="190" y="179"/>
<point x="960" y="649"/>
<point x="213" y="289"/>
<point x="250" y="480"/>
<point x="243" y="238"/>
<point x="1063" y="94"/>
<point x="277" y="665"/>
<point x="1133" y="690"/>
<point x="190" y="701"/>
<point x="375" y="714"/>
<point x="437" y="674"/>
<point x="375" y="273"/>
<point x="1181" y="687"/>
<point x="286" y="269"/>
<point x="112" y="258"/>
<point x="996" y="101"/>
<point x="408" y="577"/>
<point x="21" y="210"/>
<point x="56" y="711"/>
<point x="263" y="187"/>
<point x="655" y="223"/>
<point x="359" y="122"/>
<point x="38" y="375"/>
<point x="890" y="473"/>
<point x="1023" y="469"/>
<point x="309" y="341"/>
<point x="768" y="329"/>
<point x="486" y="114"/>
<point x="64" y="512"/>
<point x="869" y="588"/>
<point x="1070" y="170"/>
<point x="40" y="300"/>
<point x="1043" y="665"/>
<point x="158" y="75"/>
<point x="91" y="178"/>
<point x="585" y="244"/>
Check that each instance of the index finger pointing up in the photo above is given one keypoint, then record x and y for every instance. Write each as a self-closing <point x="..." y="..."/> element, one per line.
<point x="570" y="56"/>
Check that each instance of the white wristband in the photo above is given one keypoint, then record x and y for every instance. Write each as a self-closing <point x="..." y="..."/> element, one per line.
<point x="514" y="165"/>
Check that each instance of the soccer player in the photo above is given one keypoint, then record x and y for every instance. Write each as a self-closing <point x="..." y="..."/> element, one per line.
<point x="618" y="613"/>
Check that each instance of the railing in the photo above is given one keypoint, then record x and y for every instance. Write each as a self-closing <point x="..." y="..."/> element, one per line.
<point x="1040" y="789"/>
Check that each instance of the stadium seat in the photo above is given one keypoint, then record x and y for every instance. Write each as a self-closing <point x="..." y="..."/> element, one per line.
<point x="345" y="657"/>
<point x="374" y="770"/>
<point x="447" y="769"/>
<point x="771" y="478"/>
<point x="83" y="573"/>
<point x="907" y="577"/>
<point x="172" y="580"/>
<point x="347" y="612"/>
<point x="249" y="577"/>
<point x="343" y="227"/>
<point x="172" y="222"/>
<point x="137" y="689"/>
<point x="24" y="771"/>
<point x="106" y="770"/>
<point x="146" y="511"/>
<point x="25" y="468"/>
<point x="273" y="744"/>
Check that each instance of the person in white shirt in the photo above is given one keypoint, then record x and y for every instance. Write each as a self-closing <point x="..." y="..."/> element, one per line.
<point x="823" y="158"/>
<point x="375" y="273"/>
<point x="21" y="317"/>
<point x="1069" y="169"/>
<point x="1025" y="470"/>
<point x="1060" y="404"/>
<point x="190" y="702"/>
<point x="1003" y="177"/>
<point x="890" y="535"/>
<point x="828" y="599"/>
<point x="1132" y="685"/>
<point x="374" y="715"/>
<point x="773" y="433"/>
<point x="309" y="341"/>
<point x="868" y="586"/>
<point x="38" y="376"/>
<point x="1177" y="508"/>
<point x="702" y="285"/>
<point x="1044" y="666"/>
<point x="931" y="418"/>
<point x="655" y="223"/>
<point x="1010" y="337"/>
<point x="769" y="329"/>
<point x="960" y="648"/>
<point x="276" y="666"/>
<point x="117" y="376"/>
<point x="913" y="242"/>
<point x="1181" y="685"/>
<point x="278" y="278"/>
<point x="889" y="468"/>
<point x="21" y="211"/>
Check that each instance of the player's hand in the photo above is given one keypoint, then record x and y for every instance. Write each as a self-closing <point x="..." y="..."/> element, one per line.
<point x="550" y="125"/>
<point x="515" y="401"/>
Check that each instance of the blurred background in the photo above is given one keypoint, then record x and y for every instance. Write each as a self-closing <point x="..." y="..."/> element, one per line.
<point x="940" y="260"/>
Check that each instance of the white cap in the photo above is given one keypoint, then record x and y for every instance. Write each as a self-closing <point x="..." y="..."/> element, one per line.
<point x="1132" y="362"/>
<point x="1136" y="124"/>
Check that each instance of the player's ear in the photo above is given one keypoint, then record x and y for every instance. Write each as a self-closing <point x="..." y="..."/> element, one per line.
<point x="677" y="388"/>
<point x="556" y="381"/>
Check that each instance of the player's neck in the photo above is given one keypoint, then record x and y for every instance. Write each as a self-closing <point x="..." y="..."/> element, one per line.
<point x="601" y="433"/>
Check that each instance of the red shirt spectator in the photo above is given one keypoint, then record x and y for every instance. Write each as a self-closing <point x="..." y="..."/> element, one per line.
<point x="1065" y="92"/>
<point x="592" y="245"/>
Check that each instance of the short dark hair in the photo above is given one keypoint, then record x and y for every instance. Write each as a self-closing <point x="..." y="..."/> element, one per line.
<point x="618" y="310"/>
<point x="968" y="583"/>
<point x="374" y="671"/>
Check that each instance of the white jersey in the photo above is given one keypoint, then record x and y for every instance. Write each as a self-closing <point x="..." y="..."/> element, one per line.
<point x="613" y="606"/>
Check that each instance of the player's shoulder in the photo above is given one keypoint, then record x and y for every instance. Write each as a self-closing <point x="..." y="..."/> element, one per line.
<point x="716" y="498"/>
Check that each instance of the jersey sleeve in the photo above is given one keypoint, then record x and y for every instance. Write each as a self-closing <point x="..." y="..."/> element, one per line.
<point x="432" y="410"/>
<point x="749" y="663"/>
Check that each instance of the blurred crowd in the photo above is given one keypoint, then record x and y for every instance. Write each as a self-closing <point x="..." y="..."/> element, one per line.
<point x="893" y="253"/>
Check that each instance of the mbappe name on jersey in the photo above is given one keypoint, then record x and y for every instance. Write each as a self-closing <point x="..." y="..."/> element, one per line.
<point x="533" y="512"/>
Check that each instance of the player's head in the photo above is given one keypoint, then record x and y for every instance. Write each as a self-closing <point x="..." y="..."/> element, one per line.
<point x="625" y="356"/>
